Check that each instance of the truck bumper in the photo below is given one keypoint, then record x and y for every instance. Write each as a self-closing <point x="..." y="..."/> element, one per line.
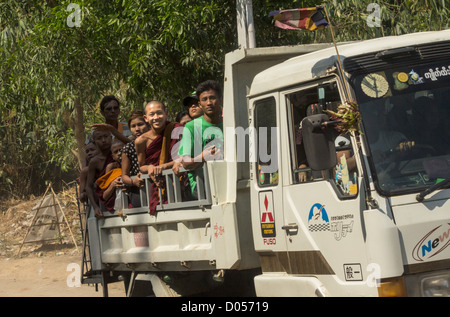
<point x="283" y="285"/>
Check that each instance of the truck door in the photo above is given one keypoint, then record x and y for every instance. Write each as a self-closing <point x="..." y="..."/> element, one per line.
<point x="265" y="189"/>
<point x="321" y="208"/>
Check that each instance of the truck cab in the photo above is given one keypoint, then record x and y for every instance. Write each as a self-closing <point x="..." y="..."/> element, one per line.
<point x="298" y="207"/>
<point x="375" y="221"/>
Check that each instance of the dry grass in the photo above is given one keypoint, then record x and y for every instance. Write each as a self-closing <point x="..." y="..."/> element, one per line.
<point x="16" y="217"/>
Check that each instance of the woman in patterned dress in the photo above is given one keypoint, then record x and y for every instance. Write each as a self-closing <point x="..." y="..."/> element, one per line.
<point x="130" y="166"/>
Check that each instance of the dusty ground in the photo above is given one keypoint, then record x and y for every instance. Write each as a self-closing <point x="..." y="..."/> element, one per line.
<point x="47" y="276"/>
<point x="43" y="269"/>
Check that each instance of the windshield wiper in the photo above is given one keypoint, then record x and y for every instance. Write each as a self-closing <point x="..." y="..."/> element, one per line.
<point x="431" y="189"/>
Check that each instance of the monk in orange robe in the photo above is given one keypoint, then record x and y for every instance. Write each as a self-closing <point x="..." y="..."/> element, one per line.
<point x="154" y="149"/>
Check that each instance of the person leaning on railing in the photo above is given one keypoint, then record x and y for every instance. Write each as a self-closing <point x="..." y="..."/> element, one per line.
<point x="206" y="129"/>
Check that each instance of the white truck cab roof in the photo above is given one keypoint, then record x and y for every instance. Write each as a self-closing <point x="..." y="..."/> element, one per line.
<point x="313" y="65"/>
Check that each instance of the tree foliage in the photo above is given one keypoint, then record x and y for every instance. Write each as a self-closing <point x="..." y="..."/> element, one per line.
<point x="53" y="75"/>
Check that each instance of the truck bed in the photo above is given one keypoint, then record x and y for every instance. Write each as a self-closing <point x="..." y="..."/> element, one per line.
<point x="182" y="236"/>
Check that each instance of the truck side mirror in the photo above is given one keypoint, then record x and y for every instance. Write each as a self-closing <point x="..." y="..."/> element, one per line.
<point x="319" y="143"/>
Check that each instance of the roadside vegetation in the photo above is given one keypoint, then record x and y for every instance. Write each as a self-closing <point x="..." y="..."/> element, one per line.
<point x="58" y="58"/>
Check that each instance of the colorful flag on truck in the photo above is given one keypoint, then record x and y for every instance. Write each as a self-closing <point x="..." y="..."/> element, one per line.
<point x="305" y="19"/>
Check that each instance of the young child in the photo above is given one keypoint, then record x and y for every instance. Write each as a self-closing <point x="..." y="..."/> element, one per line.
<point x="97" y="168"/>
<point x="112" y="177"/>
<point x="91" y="151"/>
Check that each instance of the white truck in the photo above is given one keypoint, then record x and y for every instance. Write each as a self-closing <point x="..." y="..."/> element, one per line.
<point x="284" y="213"/>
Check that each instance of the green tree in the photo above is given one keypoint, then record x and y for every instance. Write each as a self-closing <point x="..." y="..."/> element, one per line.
<point x="54" y="71"/>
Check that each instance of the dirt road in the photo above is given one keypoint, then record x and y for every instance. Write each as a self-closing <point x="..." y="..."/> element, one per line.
<point x="43" y="269"/>
<point x="47" y="276"/>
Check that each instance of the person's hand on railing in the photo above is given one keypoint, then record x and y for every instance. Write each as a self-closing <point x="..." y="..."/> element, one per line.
<point x="83" y="197"/>
<point x="155" y="173"/>
<point x="117" y="183"/>
<point x="211" y="153"/>
<point x="138" y="181"/>
<point x="176" y="167"/>
<point x="98" y="213"/>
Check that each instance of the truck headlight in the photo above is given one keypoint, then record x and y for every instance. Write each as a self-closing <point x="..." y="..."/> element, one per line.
<point x="436" y="286"/>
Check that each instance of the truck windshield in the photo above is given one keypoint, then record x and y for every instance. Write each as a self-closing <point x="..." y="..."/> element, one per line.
<point x="406" y="122"/>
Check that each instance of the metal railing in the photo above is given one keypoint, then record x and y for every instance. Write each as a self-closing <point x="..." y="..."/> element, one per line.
<point x="173" y="192"/>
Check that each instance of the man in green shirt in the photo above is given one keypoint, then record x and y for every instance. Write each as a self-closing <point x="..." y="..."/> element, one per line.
<point x="202" y="138"/>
